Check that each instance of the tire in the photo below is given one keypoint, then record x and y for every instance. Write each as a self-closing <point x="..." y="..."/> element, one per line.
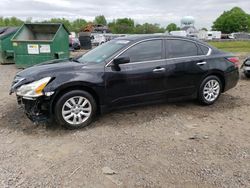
<point x="247" y="75"/>
<point x="75" y="109"/>
<point x="209" y="90"/>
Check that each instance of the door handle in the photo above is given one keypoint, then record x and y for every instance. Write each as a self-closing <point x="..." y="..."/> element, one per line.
<point x="202" y="63"/>
<point x="157" y="70"/>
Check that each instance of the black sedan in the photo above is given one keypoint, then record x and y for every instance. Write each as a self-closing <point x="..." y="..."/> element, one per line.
<point x="125" y="72"/>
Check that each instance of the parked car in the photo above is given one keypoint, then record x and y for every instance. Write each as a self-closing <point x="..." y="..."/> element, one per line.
<point x="74" y="44"/>
<point x="246" y="67"/>
<point x="125" y="72"/>
<point x="97" y="39"/>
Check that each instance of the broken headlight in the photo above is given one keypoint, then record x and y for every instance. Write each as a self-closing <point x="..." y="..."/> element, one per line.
<point x="34" y="89"/>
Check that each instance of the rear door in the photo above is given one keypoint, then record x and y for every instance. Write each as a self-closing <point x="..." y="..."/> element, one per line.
<point x="141" y="80"/>
<point x="186" y="64"/>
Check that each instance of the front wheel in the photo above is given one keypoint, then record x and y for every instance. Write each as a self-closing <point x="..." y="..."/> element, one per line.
<point x="210" y="90"/>
<point x="75" y="109"/>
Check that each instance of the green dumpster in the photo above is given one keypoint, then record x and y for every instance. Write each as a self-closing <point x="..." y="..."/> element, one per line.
<point x="6" y="49"/>
<point x="36" y="43"/>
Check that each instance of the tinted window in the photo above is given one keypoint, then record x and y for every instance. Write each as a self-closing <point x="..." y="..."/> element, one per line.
<point x="204" y="49"/>
<point x="181" y="48"/>
<point x="145" y="51"/>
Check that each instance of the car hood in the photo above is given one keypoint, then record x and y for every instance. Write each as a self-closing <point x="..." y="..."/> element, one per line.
<point x="48" y="68"/>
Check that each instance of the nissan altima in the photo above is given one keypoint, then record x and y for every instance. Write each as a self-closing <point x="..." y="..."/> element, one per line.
<point x="124" y="72"/>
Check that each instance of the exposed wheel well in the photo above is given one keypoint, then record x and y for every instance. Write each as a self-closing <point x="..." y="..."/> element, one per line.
<point x="70" y="88"/>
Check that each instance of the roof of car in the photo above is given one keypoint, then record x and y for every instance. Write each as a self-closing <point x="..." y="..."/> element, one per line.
<point x="154" y="36"/>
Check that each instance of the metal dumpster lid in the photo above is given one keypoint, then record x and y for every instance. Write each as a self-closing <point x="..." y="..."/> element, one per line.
<point x="6" y="31"/>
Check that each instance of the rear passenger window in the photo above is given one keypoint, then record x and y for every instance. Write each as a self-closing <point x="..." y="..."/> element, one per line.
<point x="145" y="51"/>
<point x="181" y="48"/>
<point x="204" y="49"/>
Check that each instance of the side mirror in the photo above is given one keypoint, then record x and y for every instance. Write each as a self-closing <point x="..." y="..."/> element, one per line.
<point x="120" y="60"/>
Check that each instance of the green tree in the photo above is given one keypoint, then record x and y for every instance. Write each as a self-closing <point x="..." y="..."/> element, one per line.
<point x="148" y="28"/>
<point x="123" y="25"/>
<point x="172" y="27"/>
<point x="78" y="24"/>
<point x="100" y="20"/>
<point x="13" y="21"/>
<point x="111" y="26"/>
<point x="139" y="29"/>
<point x="235" y="20"/>
<point x="64" y="21"/>
<point x="7" y="22"/>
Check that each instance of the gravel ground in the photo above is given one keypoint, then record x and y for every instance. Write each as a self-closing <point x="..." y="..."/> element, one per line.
<point x="168" y="145"/>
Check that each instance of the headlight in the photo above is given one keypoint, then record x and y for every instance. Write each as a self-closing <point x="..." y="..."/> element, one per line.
<point x="34" y="89"/>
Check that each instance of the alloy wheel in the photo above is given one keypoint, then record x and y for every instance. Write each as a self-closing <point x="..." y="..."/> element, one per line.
<point x="76" y="110"/>
<point x="211" y="90"/>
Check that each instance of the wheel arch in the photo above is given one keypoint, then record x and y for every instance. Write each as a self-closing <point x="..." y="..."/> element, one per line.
<point x="219" y="74"/>
<point x="76" y="86"/>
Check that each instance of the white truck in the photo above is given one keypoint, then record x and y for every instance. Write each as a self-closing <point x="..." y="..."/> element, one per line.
<point x="213" y="35"/>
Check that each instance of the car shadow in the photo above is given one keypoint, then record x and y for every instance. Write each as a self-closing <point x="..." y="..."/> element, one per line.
<point x="146" y="113"/>
<point x="16" y="120"/>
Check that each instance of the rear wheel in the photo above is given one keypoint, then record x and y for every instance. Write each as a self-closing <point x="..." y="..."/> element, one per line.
<point x="210" y="90"/>
<point x="75" y="109"/>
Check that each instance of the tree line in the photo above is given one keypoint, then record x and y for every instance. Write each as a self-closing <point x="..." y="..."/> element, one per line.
<point x="118" y="26"/>
<point x="234" y="20"/>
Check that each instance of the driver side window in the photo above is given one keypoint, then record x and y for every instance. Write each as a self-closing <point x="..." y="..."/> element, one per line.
<point x="145" y="51"/>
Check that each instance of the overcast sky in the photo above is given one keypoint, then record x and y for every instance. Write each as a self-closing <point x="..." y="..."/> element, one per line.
<point x="152" y="11"/>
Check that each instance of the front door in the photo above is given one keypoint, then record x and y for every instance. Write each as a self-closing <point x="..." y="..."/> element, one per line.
<point x="142" y="79"/>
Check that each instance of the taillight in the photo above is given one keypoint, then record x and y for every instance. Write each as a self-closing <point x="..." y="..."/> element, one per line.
<point x="235" y="61"/>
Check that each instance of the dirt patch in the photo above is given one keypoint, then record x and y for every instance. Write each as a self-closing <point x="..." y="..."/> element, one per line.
<point x="169" y="145"/>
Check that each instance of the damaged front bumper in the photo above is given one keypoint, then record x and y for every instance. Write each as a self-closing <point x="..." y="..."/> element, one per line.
<point x="36" y="109"/>
<point x="35" y="105"/>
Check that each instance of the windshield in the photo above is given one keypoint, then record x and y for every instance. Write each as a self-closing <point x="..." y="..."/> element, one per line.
<point x="103" y="52"/>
